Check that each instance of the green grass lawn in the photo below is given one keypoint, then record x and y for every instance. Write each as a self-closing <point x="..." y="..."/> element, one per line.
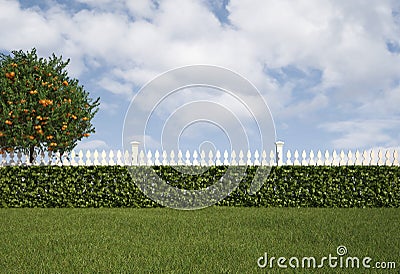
<point x="212" y="240"/>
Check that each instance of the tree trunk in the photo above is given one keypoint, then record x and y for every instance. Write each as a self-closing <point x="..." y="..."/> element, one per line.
<point x="31" y="152"/>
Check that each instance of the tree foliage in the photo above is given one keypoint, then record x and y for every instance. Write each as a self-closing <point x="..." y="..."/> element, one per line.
<point x="41" y="108"/>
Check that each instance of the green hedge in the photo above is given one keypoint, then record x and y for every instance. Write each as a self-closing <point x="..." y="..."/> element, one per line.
<point x="286" y="186"/>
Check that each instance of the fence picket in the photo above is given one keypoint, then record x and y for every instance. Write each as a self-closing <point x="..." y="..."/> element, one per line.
<point x="327" y="161"/>
<point x="264" y="160"/>
<point x="319" y="158"/>
<point x="288" y="156"/>
<point x="195" y="161"/>
<point x="380" y="157"/>
<point x="395" y="158"/>
<point x="241" y="155"/>
<point x="350" y="158"/>
<point x="296" y="158"/>
<point x="172" y="158"/>
<point x="119" y="156"/>
<point x="304" y="156"/>
<point x="233" y="158"/>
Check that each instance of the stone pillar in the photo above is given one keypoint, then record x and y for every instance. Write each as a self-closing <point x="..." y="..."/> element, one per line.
<point x="135" y="153"/>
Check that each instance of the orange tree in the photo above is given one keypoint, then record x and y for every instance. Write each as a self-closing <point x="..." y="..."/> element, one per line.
<point x="41" y="108"/>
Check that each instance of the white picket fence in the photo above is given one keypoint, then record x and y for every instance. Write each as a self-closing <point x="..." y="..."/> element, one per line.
<point x="387" y="157"/>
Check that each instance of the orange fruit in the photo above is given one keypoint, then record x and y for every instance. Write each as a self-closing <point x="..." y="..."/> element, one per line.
<point x="31" y="137"/>
<point x="86" y="135"/>
<point x="65" y="83"/>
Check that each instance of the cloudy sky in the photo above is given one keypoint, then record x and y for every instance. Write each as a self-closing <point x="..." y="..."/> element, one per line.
<point x="328" y="70"/>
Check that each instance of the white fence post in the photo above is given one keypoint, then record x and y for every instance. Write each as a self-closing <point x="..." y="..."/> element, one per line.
<point x="135" y="152"/>
<point x="279" y="152"/>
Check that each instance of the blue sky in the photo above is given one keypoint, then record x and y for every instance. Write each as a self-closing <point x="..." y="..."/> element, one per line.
<point x="329" y="70"/>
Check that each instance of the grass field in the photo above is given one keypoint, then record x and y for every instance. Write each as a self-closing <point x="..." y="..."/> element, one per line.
<point x="212" y="240"/>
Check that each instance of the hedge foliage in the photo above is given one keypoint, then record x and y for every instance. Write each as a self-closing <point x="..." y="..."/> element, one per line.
<point x="286" y="186"/>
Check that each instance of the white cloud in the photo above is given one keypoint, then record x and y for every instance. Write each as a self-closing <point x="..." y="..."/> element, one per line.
<point x="141" y="8"/>
<point x="109" y="107"/>
<point x="91" y="145"/>
<point x="345" y="41"/>
<point x="130" y="42"/>
<point x="385" y="104"/>
<point x="304" y="108"/>
<point x="363" y="133"/>
<point x="19" y="28"/>
<point x="116" y="87"/>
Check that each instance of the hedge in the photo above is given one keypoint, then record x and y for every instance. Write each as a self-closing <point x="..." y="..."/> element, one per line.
<point x="286" y="186"/>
